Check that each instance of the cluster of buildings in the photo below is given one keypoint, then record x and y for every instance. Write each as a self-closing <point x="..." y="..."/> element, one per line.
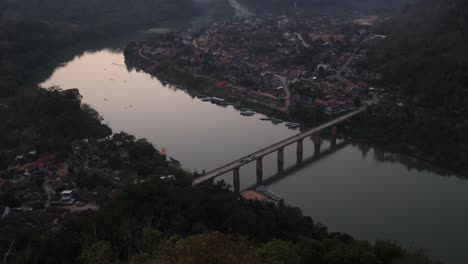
<point x="251" y="57"/>
<point x="39" y="184"/>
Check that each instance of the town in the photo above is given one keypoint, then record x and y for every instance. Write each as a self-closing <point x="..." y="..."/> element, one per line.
<point x="282" y="64"/>
<point x="48" y="186"/>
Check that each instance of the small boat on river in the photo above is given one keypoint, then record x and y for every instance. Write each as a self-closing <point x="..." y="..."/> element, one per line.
<point x="263" y="190"/>
<point x="292" y="125"/>
<point x="247" y="113"/>
<point x="276" y="121"/>
<point x="176" y="162"/>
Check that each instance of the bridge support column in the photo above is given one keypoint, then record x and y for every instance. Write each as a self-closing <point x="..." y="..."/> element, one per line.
<point x="333" y="136"/>
<point x="300" y="150"/>
<point x="280" y="159"/>
<point x="259" y="171"/>
<point x="317" y="142"/>
<point x="236" y="180"/>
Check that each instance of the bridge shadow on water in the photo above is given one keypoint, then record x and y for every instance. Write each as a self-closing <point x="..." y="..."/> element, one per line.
<point x="299" y="165"/>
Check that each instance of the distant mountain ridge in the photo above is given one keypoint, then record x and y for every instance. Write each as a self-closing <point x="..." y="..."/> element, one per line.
<point x="321" y="6"/>
<point x="425" y="58"/>
<point x="427" y="53"/>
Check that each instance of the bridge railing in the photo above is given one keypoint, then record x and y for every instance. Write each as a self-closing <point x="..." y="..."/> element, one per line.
<point x="282" y="143"/>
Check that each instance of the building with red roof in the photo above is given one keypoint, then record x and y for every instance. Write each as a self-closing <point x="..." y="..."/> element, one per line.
<point x="321" y="102"/>
<point x="222" y="84"/>
<point x="362" y="84"/>
<point x="254" y="195"/>
<point x="62" y="172"/>
<point x="3" y="182"/>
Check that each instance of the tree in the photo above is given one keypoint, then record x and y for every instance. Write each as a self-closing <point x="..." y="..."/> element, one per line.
<point x="99" y="252"/>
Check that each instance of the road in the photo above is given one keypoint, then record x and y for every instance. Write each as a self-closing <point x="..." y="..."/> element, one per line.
<point x="299" y="36"/>
<point x="287" y="101"/>
<point x="338" y="73"/>
<point x="48" y="190"/>
<point x="272" y="148"/>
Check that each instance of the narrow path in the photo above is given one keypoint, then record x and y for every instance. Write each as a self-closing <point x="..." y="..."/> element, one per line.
<point x="287" y="101"/>
<point x="305" y="44"/>
<point x="338" y="73"/>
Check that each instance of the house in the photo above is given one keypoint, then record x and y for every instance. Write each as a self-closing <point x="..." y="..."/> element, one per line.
<point x="3" y="182"/>
<point x="67" y="197"/>
<point x="27" y="168"/>
<point x="333" y="107"/>
<point x="321" y="102"/>
<point x="324" y="67"/>
<point x="254" y="195"/>
<point x="222" y="84"/>
<point x="62" y="172"/>
<point x="362" y="84"/>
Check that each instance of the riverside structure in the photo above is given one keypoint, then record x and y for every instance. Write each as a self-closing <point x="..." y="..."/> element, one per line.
<point x="279" y="148"/>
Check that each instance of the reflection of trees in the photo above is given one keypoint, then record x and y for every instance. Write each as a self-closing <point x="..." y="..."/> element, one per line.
<point x="382" y="155"/>
<point x="364" y="148"/>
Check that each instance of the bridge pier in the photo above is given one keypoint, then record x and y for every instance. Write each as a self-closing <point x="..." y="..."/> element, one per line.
<point x="300" y="150"/>
<point x="317" y="143"/>
<point x="236" y="180"/>
<point x="260" y="171"/>
<point x="333" y="136"/>
<point x="280" y="159"/>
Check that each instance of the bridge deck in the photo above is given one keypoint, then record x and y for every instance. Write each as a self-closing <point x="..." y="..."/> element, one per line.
<point x="272" y="148"/>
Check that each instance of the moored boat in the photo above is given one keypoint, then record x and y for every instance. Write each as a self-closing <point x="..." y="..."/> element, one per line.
<point x="247" y="113"/>
<point x="268" y="193"/>
<point x="292" y="125"/>
<point x="174" y="161"/>
<point x="276" y="121"/>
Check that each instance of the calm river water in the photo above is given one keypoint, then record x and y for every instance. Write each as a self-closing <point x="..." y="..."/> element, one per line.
<point x="351" y="189"/>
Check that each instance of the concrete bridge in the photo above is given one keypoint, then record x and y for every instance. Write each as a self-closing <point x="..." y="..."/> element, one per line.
<point x="279" y="148"/>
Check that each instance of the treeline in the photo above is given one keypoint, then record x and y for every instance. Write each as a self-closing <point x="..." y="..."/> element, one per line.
<point x="425" y="57"/>
<point x="322" y="6"/>
<point x="45" y="120"/>
<point x="164" y="221"/>
<point x="32" y="32"/>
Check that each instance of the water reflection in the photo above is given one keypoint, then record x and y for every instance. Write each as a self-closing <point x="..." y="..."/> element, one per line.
<point x="382" y="155"/>
<point x="353" y="187"/>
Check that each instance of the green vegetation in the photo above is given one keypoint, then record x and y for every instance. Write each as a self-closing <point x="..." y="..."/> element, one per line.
<point x="425" y="59"/>
<point x="46" y="120"/>
<point x="320" y="6"/>
<point x="164" y="221"/>
<point x="32" y="33"/>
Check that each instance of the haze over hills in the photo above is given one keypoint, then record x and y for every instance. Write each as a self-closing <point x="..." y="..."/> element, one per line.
<point x="166" y="219"/>
<point x="322" y="6"/>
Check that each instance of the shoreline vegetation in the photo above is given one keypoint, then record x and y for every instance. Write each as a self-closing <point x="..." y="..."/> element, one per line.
<point x="152" y="220"/>
<point x="202" y="87"/>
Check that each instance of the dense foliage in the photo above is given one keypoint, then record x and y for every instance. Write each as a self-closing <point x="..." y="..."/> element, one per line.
<point x="425" y="57"/>
<point x="321" y="6"/>
<point x="159" y="222"/>
<point x="45" y="120"/>
<point x="33" y="31"/>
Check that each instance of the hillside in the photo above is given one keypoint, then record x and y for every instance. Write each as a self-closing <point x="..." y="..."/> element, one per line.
<point x="425" y="58"/>
<point x="322" y="6"/>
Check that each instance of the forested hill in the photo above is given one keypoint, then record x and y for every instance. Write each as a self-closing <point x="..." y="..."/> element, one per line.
<point x="98" y="13"/>
<point x="425" y="58"/>
<point x="426" y="52"/>
<point x="323" y="6"/>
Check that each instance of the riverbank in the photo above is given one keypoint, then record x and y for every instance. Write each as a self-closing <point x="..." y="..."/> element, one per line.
<point x="203" y="135"/>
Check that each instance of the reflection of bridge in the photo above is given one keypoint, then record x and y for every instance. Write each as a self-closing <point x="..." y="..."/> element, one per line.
<point x="301" y="164"/>
<point x="278" y="147"/>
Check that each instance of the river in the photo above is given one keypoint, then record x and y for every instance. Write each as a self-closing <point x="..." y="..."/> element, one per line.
<point x="351" y="189"/>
